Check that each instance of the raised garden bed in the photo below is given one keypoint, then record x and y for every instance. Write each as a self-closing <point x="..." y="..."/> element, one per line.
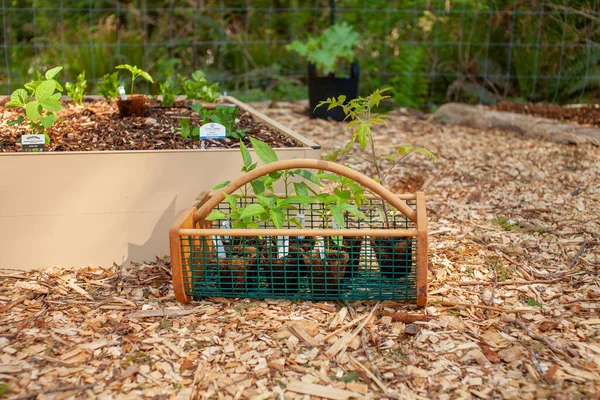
<point x="114" y="194"/>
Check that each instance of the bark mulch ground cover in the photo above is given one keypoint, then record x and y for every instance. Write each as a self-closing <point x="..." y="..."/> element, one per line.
<point x="585" y="114"/>
<point x="513" y="309"/>
<point x="98" y="126"/>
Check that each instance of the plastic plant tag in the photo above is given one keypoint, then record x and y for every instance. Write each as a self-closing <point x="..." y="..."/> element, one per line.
<point x="33" y="143"/>
<point x="334" y="224"/>
<point x="283" y="246"/>
<point x="122" y="94"/>
<point x="212" y="130"/>
<point x="321" y="246"/>
<point x="219" y="248"/>
<point x="302" y="221"/>
<point x="225" y="225"/>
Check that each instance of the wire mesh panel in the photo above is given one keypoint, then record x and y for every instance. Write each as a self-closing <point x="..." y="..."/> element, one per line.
<point x="429" y="52"/>
<point x="307" y="266"/>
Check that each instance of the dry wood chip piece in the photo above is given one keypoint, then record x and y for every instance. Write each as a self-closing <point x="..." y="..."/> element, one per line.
<point x="321" y="391"/>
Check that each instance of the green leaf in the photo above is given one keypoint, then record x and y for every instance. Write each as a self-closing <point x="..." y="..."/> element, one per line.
<point x="325" y="198"/>
<point x="13" y="103"/>
<point x="329" y="177"/>
<point x="252" y="210"/>
<point x="404" y="150"/>
<point x="258" y="187"/>
<point x="16" y="121"/>
<point x="352" y="209"/>
<point x="51" y="73"/>
<point x="267" y="201"/>
<point x="301" y="188"/>
<point x="48" y="120"/>
<point x="342" y="195"/>
<point x="58" y="86"/>
<point x="298" y="200"/>
<point x="197" y="107"/>
<point x="264" y="151"/>
<point x="32" y="110"/>
<point x="221" y="185"/>
<point x="31" y="86"/>
<point x="361" y="134"/>
<point x="246" y="157"/>
<point x="309" y="176"/>
<point x="146" y="76"/>
<point x="19" y="96"/>
<point x="338" y="216"/>
<point x="44" y="90"/>
<point x="215" y="215"/>
<point x="278" y="217"/>
<point x="232" y="200"/>
<point x="51" y="104"/>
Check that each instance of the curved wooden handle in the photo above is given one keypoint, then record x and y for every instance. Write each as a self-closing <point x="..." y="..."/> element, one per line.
<point x="356" y="176"/>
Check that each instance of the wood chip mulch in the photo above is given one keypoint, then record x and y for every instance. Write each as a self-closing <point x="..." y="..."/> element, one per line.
<point x="98" y="127"/>
<point x="584" y="114"/>
<point x="513" y="308"/>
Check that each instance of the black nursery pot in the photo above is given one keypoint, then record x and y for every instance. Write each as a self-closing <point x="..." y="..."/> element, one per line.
<point x="321" y="88"/>
<point x="394" y="255"/>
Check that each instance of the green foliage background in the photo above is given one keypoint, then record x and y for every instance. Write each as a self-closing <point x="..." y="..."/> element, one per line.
<point x="429" y="51"/>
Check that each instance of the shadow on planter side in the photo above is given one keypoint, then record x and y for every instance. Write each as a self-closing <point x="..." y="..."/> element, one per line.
<point x="321" y="88"/>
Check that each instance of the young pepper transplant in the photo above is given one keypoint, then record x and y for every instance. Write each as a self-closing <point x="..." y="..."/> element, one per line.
<point x="394" y="254"/>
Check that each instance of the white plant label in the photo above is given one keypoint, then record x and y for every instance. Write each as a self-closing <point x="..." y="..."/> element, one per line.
<point x="33" y="143"/>
<point x="302" y="220"/>
<point x="212" y="130"/>
<point x="321" y="246"/>
<point x="219" y="248"/>
<point x="283" y="246"/>
<point x="225" y="225"/>
<point x="122" y="94"/>
<point x="334" y="224"/>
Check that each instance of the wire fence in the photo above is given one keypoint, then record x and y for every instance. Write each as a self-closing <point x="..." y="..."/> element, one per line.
<point x="429" y="52"/>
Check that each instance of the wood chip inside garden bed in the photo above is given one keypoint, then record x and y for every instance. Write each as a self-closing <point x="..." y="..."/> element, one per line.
<point x="97" y="126"/>
<point x="513" y="308"/>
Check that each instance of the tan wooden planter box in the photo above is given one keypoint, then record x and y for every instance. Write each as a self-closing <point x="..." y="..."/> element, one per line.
<point x="74" y="209"/>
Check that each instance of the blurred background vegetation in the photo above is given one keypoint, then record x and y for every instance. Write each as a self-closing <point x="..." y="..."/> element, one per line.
<point x="428" y="51"/>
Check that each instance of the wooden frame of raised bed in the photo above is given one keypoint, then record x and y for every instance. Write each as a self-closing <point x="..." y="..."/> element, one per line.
<point x="73" y="209"/>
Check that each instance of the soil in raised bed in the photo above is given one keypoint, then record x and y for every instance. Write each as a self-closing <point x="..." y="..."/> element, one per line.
<point x="585" y="114"/>
<point x="97" y="126"/>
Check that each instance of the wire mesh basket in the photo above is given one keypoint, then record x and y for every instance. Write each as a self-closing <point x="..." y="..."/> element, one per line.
<point x="370" y="259"/>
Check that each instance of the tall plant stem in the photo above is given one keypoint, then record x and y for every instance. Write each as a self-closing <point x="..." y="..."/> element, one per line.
<point x="381" y="179"/>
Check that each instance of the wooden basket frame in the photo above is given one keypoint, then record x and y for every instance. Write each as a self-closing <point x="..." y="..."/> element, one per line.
<point x="192" y="221"/>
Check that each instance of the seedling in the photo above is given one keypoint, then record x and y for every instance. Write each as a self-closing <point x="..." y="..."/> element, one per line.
<point x="40" y="102"/>
<point x="224" y="115"/>
<point x="169" y="89"/>
<point x="135" y="72"/>
<point x="196" y="87"/>
<point x="361" y="116"/>
<point x="76" y="90"/>
<point x="109" y="86"/>
<point x="394" y="254"/>
<point x="336" y="43"/>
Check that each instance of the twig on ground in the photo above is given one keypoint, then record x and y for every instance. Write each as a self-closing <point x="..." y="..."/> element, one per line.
<point x="504" y="310"/>
<point x="539" y="337"/>
<point x="577" y="255"/>
<point x="506" y="283"/>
